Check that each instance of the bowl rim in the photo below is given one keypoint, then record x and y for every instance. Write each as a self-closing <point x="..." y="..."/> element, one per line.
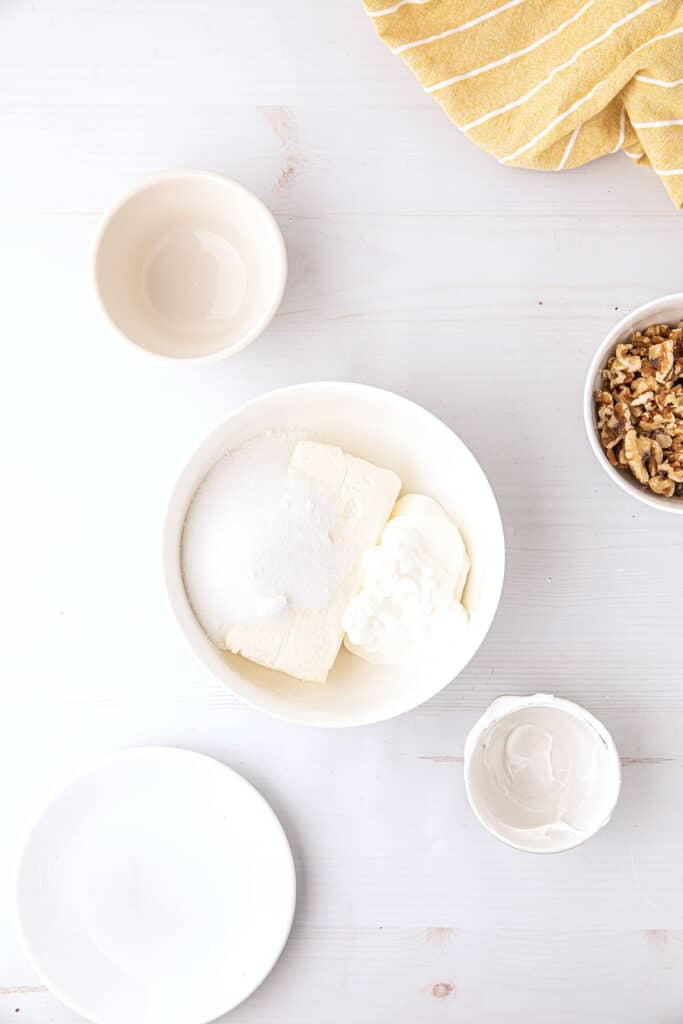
<point x="627" y="324"/>
<point x="245" y="194"/>
<point x="171" y="546"/>
<point x="569" y="707"/>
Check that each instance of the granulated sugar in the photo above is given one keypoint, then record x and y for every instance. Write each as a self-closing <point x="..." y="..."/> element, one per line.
<point x="256" y="542"/>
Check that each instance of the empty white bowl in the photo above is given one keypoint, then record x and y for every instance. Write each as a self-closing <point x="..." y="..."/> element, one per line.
<point x="542" y="774"/>
<point x="391" y="432"/>
<point x="190" y="266"/>
<point x="667" y="310"/>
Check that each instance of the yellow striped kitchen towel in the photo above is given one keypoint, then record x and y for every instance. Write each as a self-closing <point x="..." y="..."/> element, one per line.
<point x="550" y="84"/>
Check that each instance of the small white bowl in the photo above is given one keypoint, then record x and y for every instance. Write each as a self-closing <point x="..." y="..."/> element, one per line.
<point x="667" y="310"/>
<point x="389" y="431"/>
<point x="514" y="785"/>
<point x="189" y="266"/>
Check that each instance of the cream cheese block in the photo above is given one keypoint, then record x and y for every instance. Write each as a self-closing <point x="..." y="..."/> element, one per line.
<point x="304" y="641"/>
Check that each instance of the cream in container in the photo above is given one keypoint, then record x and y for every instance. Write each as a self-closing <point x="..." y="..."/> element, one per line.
<point x="541" y="773"/>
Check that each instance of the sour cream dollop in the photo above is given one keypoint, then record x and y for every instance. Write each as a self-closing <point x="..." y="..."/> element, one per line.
<point x="541" y="772"/>
<point x="409" y="605"/>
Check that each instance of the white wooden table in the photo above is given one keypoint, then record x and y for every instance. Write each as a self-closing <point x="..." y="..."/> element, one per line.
<point x="418" y="264"/>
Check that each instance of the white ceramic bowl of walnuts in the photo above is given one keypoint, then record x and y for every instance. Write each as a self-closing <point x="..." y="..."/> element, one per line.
<point x="633" y="404"/>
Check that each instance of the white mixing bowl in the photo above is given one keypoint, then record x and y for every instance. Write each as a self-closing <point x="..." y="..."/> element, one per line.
<point x="389" y="431"/>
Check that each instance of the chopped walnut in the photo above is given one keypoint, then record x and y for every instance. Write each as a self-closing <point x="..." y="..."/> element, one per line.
<point x="643" y="396"/>
<point x="626" y="360"/>
<point x="657" y="330"/>
<point x="657" y="422"/>
<point x="616" y="421"/>
<point x="675" y="400"/>
<point x="673" y="471"/>
<point x="661" y="357"/>
<point x="639" y="408"/>
<point x="637" y="451"/>
<point x="660" y="485"/>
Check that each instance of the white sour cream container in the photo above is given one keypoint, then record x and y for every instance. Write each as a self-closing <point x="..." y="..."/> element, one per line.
<point x="542" y="774"/>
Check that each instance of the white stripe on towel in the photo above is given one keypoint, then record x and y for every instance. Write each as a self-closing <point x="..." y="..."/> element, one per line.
<point x="622" y="130"/>
<point x="658" y="124"/>
<point x="569" y="148"/>
<point x="395" y="7"/>
<point x="555" y="121"/>
<point x="584" y="99"/>
<point x="658" y="81"/>
<point x="459" y="28"/>
<point x="561" y="67"/>
<point x="516" y="53"/>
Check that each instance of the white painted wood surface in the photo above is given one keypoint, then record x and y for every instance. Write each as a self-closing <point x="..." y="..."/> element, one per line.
<point x="418" y="264"/>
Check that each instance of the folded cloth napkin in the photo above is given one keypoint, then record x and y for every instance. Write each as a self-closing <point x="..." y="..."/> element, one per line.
<point x="551" y="84"/>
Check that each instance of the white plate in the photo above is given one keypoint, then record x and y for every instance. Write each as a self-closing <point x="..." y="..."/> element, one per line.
<point x="430" y="459"/>
<point x="158" y="887"/>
